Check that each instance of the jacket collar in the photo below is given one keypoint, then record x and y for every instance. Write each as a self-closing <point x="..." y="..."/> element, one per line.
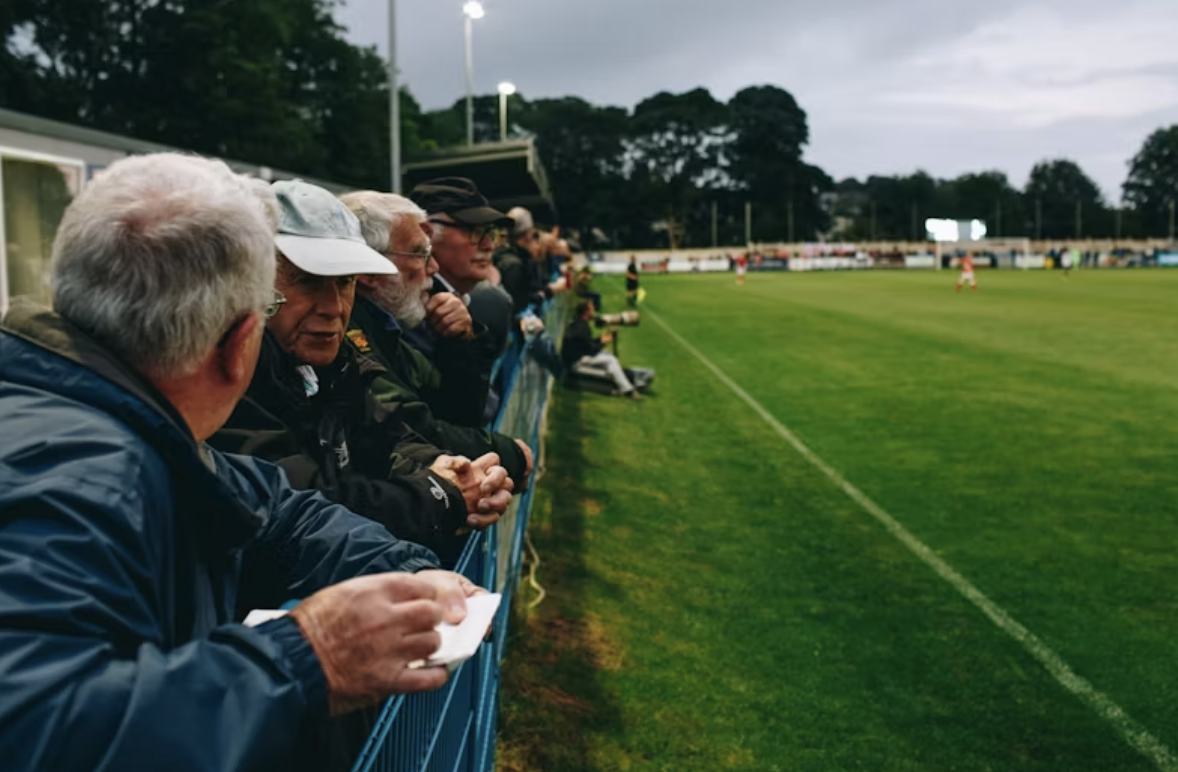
<point x="378" y="315"/>
<point x="48" y="330"/>
<point x="136" y="402"/>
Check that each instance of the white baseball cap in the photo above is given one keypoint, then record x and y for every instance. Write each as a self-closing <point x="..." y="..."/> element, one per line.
<point x="523" y="222"/>
<point x="320" y="235"/>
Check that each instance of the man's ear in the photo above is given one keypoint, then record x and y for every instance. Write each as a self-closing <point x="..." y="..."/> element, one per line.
<point x="237" y="356"/>
<point x="366" y="281"/>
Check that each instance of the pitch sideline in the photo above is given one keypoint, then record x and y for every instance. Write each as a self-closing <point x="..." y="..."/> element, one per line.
<point x="1132" y="732"/>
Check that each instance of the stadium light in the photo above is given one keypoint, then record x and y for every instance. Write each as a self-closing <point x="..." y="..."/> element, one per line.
<point x="955" y="230"/>
<point x="506" y="89"/>
<point x="394" y="105"/>
<point x="470" y="11"/>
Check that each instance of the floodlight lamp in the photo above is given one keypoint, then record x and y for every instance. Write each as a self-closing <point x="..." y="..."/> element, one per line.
<point x="474" y="9"/>
<point x="506" y="89"/>
<point x="941" y="230"/>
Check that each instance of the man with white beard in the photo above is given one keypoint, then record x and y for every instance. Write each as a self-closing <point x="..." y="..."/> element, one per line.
<point x="443" y="399"/>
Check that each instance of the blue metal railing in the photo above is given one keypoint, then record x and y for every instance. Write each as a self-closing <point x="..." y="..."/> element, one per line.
<point x="453" y="729"/>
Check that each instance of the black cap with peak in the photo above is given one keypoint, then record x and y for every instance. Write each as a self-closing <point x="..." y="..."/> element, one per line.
<point x="458" y="197"/>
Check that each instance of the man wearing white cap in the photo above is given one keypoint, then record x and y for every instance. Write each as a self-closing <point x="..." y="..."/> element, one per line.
<point x="309" y="407"/>
<point x="126" y="542"/>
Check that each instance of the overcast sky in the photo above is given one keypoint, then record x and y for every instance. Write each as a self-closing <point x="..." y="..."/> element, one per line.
<point x="890" y="86"/>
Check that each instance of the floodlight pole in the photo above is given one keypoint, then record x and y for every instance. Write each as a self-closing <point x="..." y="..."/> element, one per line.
<point x="715" y="226"/>
<point x="469" y="80"/>
<point x="505" y="90"/>
<point x="394" y="104"/>
<point x="748" y="224"/>
<point x="502" y="116"/>
<point x="1171" y="221"/>
<point x="471" y="11"/>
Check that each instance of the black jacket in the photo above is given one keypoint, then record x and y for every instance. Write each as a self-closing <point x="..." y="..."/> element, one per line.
<point x="442" y="401"/>
<point x="343" y="443"/>
<point x="578" y="342"/>
<point x="122" y="550"/>
<point x="522" y="277"/>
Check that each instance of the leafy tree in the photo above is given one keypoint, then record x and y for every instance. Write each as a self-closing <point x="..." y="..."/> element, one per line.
<point x="888" y="208"/>
<point x="443" y="128"/>
<point x="582" y="147"/>
<point x="1055" y="192"/>
<point x="768" y="134"/>
<point x="272" y="81"/>
<point x="1152" y="186"/>
<point x="987" y="196"/>
<point x="675" y="149"/>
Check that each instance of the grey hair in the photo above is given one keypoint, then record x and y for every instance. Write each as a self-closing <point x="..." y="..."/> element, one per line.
<point x="160" y="255"/>
<point x="380" y="214"/>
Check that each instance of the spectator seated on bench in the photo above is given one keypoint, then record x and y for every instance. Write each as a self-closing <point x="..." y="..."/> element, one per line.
<point x="591" y="367"/>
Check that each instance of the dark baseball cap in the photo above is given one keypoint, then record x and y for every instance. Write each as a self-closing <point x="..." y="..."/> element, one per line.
<point x="460" y="198"/>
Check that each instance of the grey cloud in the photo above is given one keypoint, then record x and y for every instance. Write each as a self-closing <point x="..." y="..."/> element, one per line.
<point x="838" y="57"/>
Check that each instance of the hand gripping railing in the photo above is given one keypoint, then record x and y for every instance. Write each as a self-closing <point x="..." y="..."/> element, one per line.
<point x="453" y="729"/>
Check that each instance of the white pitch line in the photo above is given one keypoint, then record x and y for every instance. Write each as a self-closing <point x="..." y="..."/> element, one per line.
<point x="1132" y="732"/>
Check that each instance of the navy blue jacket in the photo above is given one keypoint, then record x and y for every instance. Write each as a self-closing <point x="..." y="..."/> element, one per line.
<point x="122" y="544"/>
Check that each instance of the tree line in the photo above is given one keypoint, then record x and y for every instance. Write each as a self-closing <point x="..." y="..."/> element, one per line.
<point x="1059" y="201"/>
<point x="276" y="83"/>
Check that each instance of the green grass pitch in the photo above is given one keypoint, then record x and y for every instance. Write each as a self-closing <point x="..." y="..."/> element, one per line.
<point x="716" y="602"/>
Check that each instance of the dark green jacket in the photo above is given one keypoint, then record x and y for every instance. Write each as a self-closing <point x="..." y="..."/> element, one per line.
<point x="343" y="443"/>
<point x="442" y="402"/>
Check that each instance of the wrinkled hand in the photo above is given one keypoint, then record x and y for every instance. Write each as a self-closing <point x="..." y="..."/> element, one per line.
<point x="453" y="590"/>
<point x="366" y="631"/>
<point x="529" y="462"/>
<point x="447" y="467"/>
<point x="486" y="488"/>
<point x="449" y="316"/>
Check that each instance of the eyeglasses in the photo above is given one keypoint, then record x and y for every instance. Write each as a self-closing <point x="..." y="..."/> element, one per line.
<point x="275" y="303"/>
<point x="426" y="255"/>
<point x="477" y="233"/>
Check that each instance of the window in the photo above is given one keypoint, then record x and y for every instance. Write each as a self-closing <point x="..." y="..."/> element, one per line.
<point x="34" y="195"/>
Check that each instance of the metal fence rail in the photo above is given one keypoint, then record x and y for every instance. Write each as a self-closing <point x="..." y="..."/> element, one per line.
<point x="453" y="729"/>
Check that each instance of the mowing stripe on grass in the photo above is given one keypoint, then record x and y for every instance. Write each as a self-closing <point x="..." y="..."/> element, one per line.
<point x="1132" y="732"/>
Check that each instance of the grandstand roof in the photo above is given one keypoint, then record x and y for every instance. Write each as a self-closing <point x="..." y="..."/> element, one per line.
<point x="508" y="173"/>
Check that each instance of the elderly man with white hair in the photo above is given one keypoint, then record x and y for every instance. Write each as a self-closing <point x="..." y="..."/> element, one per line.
<point x="124" y="536"/>
<point x="443" y="399"/>
<point x="311" y="407"/>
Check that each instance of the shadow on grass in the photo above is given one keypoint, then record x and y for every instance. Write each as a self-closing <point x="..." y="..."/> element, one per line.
<point x="552" y="696"/>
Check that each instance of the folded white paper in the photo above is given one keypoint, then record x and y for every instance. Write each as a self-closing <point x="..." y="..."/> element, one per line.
<point x="461" y="641"/>
<point x="260" y="615"/>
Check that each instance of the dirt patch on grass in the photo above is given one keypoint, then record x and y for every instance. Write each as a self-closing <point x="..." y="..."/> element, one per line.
<point x="608" y="655"/>
<point x="553" y="700"/>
